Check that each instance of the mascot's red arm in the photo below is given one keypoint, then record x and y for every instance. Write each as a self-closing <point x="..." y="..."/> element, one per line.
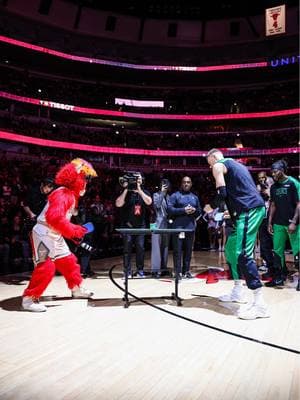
<point x="63" y="199"/>
<point x="60" y="202"/>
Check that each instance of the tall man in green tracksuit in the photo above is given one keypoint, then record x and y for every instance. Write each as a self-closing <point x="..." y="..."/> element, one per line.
<point x="283" y="221"/>
<point x="247" y="209"/>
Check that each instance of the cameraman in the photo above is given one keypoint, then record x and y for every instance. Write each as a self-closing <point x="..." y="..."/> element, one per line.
<point x="132" y="203"/>
<point x="265" y="239"/>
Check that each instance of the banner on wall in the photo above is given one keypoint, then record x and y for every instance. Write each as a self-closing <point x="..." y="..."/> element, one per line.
<point x="275" y="20"/>
<point x="139" y="103"/>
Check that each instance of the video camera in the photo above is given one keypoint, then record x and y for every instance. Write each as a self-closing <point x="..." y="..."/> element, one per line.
<point x="130" y="177"/>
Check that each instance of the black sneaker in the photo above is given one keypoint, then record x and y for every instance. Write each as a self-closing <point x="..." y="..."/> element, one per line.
<point x="140" y="274"/>
<point x="275" y="282"/>
<point x="188" y="275"/>
<point x="88" y="274"/>
<point x="179" y="276"/>
<point x="156" y="275"/>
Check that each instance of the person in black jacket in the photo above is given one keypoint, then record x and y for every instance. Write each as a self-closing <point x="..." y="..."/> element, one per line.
<point x="184" y="209"/>
<point x="265" y="238"/>
<point x="36" y="199"/>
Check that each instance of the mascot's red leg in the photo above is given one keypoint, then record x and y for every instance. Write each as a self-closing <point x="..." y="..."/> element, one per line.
<point x="69" y="268"/>
<point x="40" y="279"/>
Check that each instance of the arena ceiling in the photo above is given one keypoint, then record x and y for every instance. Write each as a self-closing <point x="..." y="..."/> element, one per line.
<point x="185" y="9"/>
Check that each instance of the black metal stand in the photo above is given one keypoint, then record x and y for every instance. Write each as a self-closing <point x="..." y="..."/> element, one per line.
<point x="175" y="296"/>
<point x="125" y="298"/>
<point x="136" y="231"/>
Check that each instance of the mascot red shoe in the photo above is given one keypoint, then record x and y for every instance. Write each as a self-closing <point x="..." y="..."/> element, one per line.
<point x="50" y="250"/>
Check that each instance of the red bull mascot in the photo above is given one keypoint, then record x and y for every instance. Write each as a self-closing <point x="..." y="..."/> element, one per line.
<point x="50" y="250"/>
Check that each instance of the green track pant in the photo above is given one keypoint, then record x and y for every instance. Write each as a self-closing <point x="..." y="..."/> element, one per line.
<point x="240" y="245"/>
<point x="280" y="237"/>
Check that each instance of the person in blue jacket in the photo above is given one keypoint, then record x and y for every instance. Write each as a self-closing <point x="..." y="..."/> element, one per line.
<point x="184" y="209"/>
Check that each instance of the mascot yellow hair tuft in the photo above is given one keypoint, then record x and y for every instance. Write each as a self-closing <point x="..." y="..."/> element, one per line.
<point x="83" y="166"/>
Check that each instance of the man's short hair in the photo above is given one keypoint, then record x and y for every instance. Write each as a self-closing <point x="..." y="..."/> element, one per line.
<point x="213" y="151"/>
<point x="280" y="164"/>
<point x="262" y="173"/>
<point x="48" y="182"/>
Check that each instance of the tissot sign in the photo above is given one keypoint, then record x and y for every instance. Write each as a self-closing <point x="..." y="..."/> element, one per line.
<point x="53" y="104"/>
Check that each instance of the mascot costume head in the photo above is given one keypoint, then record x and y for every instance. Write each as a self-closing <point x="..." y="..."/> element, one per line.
<point x="74" y="176"/>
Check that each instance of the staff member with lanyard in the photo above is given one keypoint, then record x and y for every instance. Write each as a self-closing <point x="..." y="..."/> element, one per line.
<point x="246" y="207"/>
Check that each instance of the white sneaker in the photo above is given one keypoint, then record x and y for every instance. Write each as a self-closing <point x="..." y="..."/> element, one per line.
<point x="255" y="311"/>
<point x="233" y="297"/>
<point x="81" y="293"/>
<point x="129" y="276"/>
<point x="29" y="304"/>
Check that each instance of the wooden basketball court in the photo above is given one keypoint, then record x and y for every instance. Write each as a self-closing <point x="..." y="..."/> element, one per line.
<point x="98" y="349"/>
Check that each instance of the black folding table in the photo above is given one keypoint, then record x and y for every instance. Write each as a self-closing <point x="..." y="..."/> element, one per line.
<point x="144" y="231"/>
